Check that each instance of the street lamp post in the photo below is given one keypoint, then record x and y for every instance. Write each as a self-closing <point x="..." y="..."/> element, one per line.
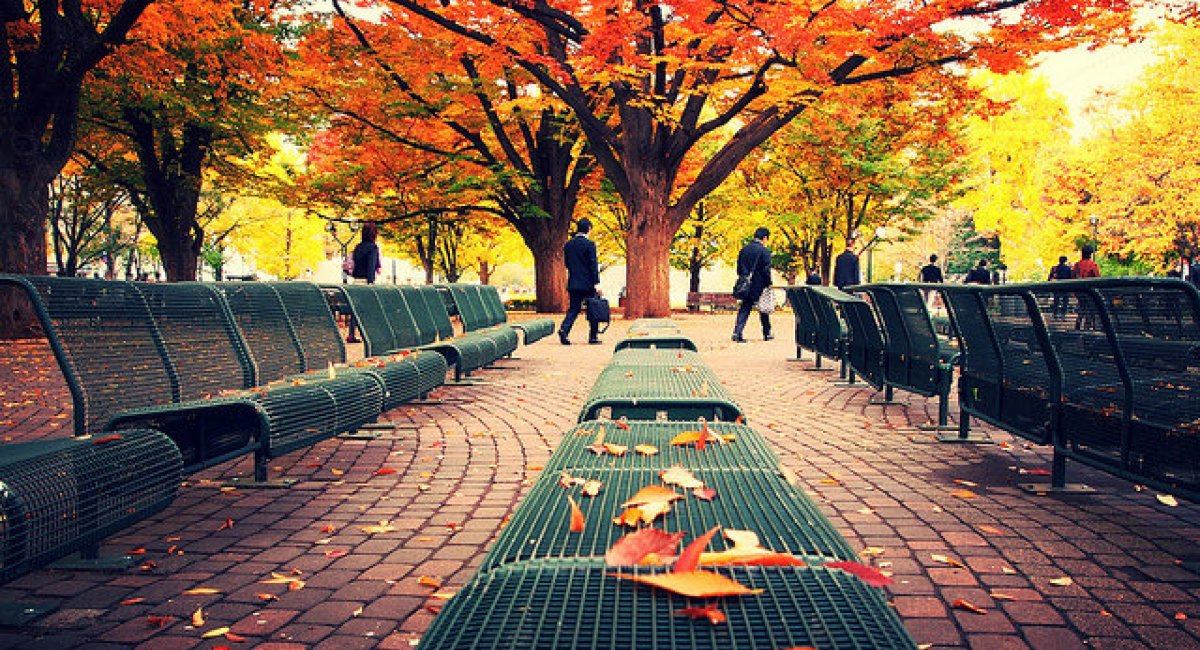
<point x="344" y="244"/>
<point x="880" y="233"/>
<point x="1094" y="220"/>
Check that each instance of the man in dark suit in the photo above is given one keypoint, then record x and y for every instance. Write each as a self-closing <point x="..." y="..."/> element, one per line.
<point x="754" y="261"/>
<point x="583" y="274"/>
<point x="845" y="269"/>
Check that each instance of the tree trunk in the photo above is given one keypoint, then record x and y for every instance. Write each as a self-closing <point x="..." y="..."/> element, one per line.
<point x="648" y="269"/>
<point x="24" y="201"/>
<point x="695" y="264"/>
<point x="179" y="240"/>
<point x="485" y="273"/>
<point x="545" y="238"/>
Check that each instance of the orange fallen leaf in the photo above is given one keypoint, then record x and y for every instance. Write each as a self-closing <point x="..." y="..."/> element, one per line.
<point x="295" y="585"/>
<point x="992" y="530"/>
<point x="948" y="560"/>
<point x="963" y="494"/>
<point x="677" y="475"/>
<point x="384" y="471"/>
<point x="963" y="483"/>
<point x="328" y="528"/>
<point x="967" y="606"/>
<point x="236" y="638"/>
<point x="996" y="595"/>
<point x="336" y="553"/>
<point x="148" y="565"/>
<point x="136" y="551"/>
<point x="704" y="493"/>
<point x="689" y="559"/>
<point x="426" y="581"/>
<point x="622" y="423"/>
<point x="577" y="520"/>
<point x="747" y="550"/>
<point x="714" y="615"/>
<point x="296" y="571"/>
<point x="133" y="601"/>
<point x="631" y="549"/>
<point x="1037" y="472"/>
<point x="384" y="526"/>
<point x="535" y="468"/>
<point x="1064" y="581"/>
<point x="266" y="598"/>
<point x="693" y="584"/>
<point x="198" y="617"/>
<point x="630" y="517"/>
<point x="592" y="488"/>
<point x="615" y="449"/>
<point x="652" y="494"/>
<point x="869" y="575"/>
<point x="201" y="591"/>
<point x="107" y="439"/>
<point x="228" y="523"/>
<point x="646" y="450"/>
<point x="337" y="472"/>
<point x="159" y="621"/>
<point x="1180" y="616"/>
<point x="215" y="632"/>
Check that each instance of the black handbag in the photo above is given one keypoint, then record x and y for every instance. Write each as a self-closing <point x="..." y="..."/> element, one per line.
<point x="598" y="311"/>
<point x="741" y="288"/>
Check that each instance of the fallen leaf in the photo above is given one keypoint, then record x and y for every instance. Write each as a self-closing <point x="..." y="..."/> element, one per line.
<point x="577" y="520"/>
<point x="630" y="517"/>
<point x="384" y="471"/>
<point x="295" y="585"/>
<point x="266" y="598"/>
<point x="159" y="621"/>
<point x="996" y="595"/>
<point x="136" y="551"/>
<point x="107" y="439"/>
<point x="357" y="612"/>
<point x="337" y="472"/>
<point x="384" y="526"/>
<point x="677" y="475"/>
<point x="327" y="528"/>
<point x="963" y="483"/>
<point x="714" y="615"/>
<point x="872" y="551"/>
<point x="615" y="449"/>
<point x="622" y="423"/>
<point x="336" y="553"/>
<point x="948" y="560"/>
<point x="869" y="575"/>
<point x="592" y="488"/>
<point x="1180" y="616"/>
<point x="747" y="550"/>
<point x="966" y="605"/>
<point x="963" y="494"/>
<point x="132" y="601"/>
<point x="646" y="450"/>
<point x="652" y="494"/>
<point x="236" y="638"/>
<point x="693" y="584"/>
<point x="201" y="591"/>
<point x="535" y="468"/>
<point x="426" y="581"/>
<point x="228" y="523"/>
<point x="689" y="559"/>
<point x="1037" y="472"/>
<point x="443" y="595"/>
<point x="1064" y="581"/>
<point x="992" y="530"/>
<point x="215" y="632"/>
<point x="631" y="549"/>
<point x="198" y="617"/>
<point x="1167" y="500"/>
<point x="704" y="493"/>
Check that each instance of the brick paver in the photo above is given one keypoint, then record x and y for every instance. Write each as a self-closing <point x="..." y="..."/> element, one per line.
<point x="463" y="463"/>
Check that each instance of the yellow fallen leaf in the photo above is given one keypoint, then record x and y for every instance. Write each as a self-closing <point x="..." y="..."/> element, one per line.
<point x="948" y="560"/>
<point x="1064" y="581"/>
<point x="1167" y="500"/>
<point x="201" y="591"/>
<point x="996" y="595"/>
<point x="426" y="581"/>
<point x="337" y="472"/>
<point x="963" y="494"/>
<point x="872" y="551"/>
<point x="215" y="632"/>
<point x="384" y="526"/>
<point x="646" y="450"/>
<point x="443" y="595"/>
<point x="592" y="488"/>
<point x="198" y="617"/>
<point x="677" y="475"/>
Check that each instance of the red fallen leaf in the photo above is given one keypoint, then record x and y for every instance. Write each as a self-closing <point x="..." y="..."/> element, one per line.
<point x="327" y="528"/>
<point x="336" y="553"/>
<point x="622" y="423"/>
<point x="159" y="621"/>
<point x="149" y="565"/>
<point x="222" y="647"/>
<point x="1180" y="616"/>
<point x="228" y="523"/>
<point x="296" y="571"/>
<point x="704" y="493"/>
<point x="312" y="464"/>
<point x="966" y="605"/>
<point x="133" y="601"/>
<point x="632" y="548"/>
<point x="869" y="575"/>
<point x="385" y="471"/>
<point x="136" y="551"/>
<point x="266" y="598"/>
<point x="236" y="638"/>
<point x="739" y="419"/>
<point x="689" y="559"/>
<point x="694" y="584"/>
<point x="714" y="615"/>
<point x="1038" y="472"/>
<point x="107" y="439"/>
<point x="577" y="519"/>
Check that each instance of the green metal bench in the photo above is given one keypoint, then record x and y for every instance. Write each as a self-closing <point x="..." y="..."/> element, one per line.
<point x="477" y="320"/>
<point x="748" y="449"/>
<point x="808" y="327"/>
<point x="867" y="351"/>
<point x="532" y="329"/>
<point x="655" y="333"/>
<point x="548" y="606"/>
<point x="659" y="385"/>
<point x="59" y="497"/>
<point x="833" y="335"/>
<point x="171" y="357"/>
<point x="919" y="361"/>
<point x="655" y="326"/>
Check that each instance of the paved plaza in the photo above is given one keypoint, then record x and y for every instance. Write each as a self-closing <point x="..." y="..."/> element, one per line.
<point x="375" y="535"/>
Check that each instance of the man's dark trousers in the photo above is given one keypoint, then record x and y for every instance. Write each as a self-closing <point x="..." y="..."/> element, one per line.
<point x="743" y="315"/>
<point x="577" y="297"/>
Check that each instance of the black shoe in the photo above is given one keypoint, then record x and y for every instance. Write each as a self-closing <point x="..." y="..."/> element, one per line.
<point x="737" y="339"/>
<point x="768" y="337"/>
<point x="562" y="338"/>
<point x="595" y="342"/>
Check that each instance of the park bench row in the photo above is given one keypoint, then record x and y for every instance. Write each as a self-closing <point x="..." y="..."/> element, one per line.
<point x="168" y="379"/>
<point x="1104" y="370"/>
<point x="545" y="584"/>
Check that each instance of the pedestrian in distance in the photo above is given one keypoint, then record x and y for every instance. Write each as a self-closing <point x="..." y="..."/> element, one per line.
<point x="754" y="263"/>
<point x="583" y="274"/>
<point x="366" y="263"/>
<point x="980" y="274"/>
<point x="813" y="279"/>
<point x="1086" y="267"/>
<point x="845" y="268"/>
<point x="931" y="272"/>
<point x="1194" y="271"/>
<point x="1061" y="271"/>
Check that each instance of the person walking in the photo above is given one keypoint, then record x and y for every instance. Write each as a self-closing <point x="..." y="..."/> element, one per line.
<point x="1061" y="271"/>
<point x="367" y="263"/>
<point x="931" y="272"/>
<point x="845" y="268"/>
<point x="980" y="274"/>
<point x="1086" y="267"/>
<point x="583" y="274"/>
<point x="754" y="262"/>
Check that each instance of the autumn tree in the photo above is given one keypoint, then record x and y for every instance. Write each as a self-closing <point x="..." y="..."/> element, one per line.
<point x="87" y="222"/>
<point x="191" y="92"/>
<point x="466" y="106"/>
<point x="649" y="81"/>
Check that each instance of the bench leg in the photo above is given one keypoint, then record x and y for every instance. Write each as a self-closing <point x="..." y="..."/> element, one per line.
<point x="260" y="480"/>
<point x="847" y="376"/>
<point x="817" y="367"/>
<point x="889" y="394"/>
<point x="943" y="423"/>
<point x="89" y="559"/>
<point x="964" y="434"/>
<point x="1058" y="480"/>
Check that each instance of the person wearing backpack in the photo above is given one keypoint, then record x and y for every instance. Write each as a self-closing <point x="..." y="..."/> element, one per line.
<point x="363" y="264"/>
<point x="754" y="263"/>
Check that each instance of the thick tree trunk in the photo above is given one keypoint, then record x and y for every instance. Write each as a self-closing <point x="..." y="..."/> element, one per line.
<point x="648" y="270"/>
<point x="179" y="240"/>
<point x="24" y="203"/>
<point x="545" y="238"/>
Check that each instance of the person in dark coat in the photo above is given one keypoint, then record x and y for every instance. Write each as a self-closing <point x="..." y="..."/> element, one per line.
<point x="754" y="261"/>
<point x="583" y="274"/>
<point x="1062" y="271"/>
<point x="367" y="263"/>
<point x="980" y="274"/>
<point x="845" y="269"/>
<point x="931" y="272"/>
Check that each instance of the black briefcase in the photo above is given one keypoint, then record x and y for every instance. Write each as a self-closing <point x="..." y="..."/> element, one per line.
<point x="598" y="311"/>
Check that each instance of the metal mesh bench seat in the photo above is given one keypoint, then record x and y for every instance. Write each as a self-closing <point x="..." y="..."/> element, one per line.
<point x="760" y="500"/>
<point x="545" y="606"/>
<point x="800" y="301"/>
<point x="655" y="326"/>
<point x="659" y="392"/>
<point x="669" y="357"/>
<point x="748" y="450"/>
<point x="61" y="496"/>
<point x="466" y="352"/>
<point x="658" y="339"/>
<point x="533" y="329"/>
<point x="477" y="320"/>
<point x="867" y="352"/>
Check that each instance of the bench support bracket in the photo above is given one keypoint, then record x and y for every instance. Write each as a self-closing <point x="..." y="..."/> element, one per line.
<point x="1058" y="480"/>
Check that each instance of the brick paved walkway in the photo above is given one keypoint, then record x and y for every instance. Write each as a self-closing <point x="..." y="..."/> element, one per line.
<point x="462" y="465"/>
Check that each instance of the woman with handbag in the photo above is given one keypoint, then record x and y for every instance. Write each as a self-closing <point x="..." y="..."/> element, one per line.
<point x="753" y="285"/>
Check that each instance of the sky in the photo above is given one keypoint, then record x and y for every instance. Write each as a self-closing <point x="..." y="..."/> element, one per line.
<point x="1077" y="74"/>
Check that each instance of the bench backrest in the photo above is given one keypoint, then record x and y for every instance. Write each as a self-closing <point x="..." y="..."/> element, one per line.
<point x="806" y="318"/>
<point x="427" y="331"/>
<point x="404" y="327"/>
<point x="831" y="332"/>
<point x="371" y="319"/>
<point x="312" y="323"/>
<point x="435" y="305"/>
<point x="468" y="311"/>
<point x="867" y="347"/>
<point x="265" y="326"/>
<point x="490" y="296"/>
